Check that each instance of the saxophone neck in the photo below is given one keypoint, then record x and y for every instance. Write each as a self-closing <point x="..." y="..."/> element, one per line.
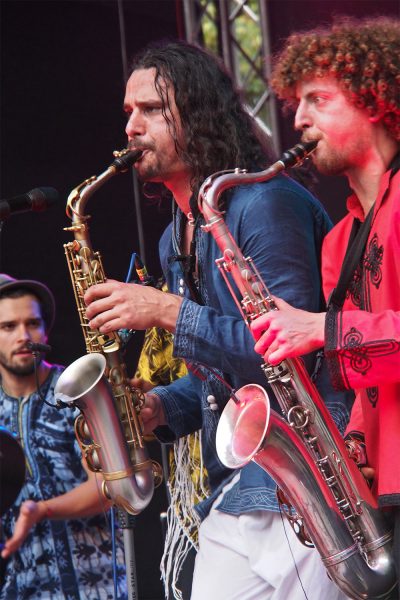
<point x="221" y="181"/>
<point x="211" y="190"/>
<point x="77" y="199"/>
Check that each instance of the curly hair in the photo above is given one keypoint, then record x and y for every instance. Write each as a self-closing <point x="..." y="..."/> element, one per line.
<point x="362" y="54"/>
<point x="218" y="132"/>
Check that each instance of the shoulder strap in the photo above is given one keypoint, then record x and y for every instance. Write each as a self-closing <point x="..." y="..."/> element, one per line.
<point x="355" y="250"/>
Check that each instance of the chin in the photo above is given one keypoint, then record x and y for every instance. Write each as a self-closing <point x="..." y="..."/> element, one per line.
<point x="329" y="167"/>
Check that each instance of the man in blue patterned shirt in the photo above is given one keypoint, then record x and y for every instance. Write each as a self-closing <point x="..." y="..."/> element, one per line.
<point x="57" y="544"/>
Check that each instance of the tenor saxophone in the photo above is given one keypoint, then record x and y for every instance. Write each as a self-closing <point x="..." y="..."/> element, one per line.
<point x="324" y="494"/>
<point x="108" y="429"/>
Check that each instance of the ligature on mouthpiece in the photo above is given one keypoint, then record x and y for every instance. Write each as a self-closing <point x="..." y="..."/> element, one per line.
<point x="125" y="159"/>
<point x="296" y="155"/>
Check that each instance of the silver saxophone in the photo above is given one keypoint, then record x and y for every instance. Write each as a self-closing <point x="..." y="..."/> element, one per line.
<point x="321" y="489"/>
<point x="108" y="429"/>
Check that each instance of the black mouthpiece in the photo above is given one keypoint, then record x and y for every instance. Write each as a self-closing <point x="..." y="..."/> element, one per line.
<point x="123" y="162"/>
<point x="298" y="153"/>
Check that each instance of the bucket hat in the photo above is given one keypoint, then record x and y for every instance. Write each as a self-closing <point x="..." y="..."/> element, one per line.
<point x="37" y="289"/>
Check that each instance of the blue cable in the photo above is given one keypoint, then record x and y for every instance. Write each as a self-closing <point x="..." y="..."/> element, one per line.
<point x="114" y="551"/>
<point x="131" y="267"/>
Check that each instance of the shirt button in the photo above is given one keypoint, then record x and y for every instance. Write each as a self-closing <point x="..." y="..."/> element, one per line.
<point x="181" y="290"/>
<point x="181" y="281"/>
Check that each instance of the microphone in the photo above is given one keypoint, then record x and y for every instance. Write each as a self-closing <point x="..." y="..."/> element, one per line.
<point x="36" y="347"/>
<point x="38" y="199"/>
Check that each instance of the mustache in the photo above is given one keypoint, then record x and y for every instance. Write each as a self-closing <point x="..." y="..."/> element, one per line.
<point x="136" y="145"/>
<point x="23" y="348"/>
<point x="306" y="138"/>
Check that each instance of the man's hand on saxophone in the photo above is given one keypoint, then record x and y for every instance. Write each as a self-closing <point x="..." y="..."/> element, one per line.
<point x="152" y="413"/>
<point x="114" y="305"/>
<point x="287" y="332"/>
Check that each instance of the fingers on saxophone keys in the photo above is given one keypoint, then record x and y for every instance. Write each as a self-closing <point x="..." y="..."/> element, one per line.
<point x="100" y="291"/>
<point x="275" y="354"/>
<point x="260" y="325"/>
<point x="102" y="321"/>
<point x="267" y="337"/>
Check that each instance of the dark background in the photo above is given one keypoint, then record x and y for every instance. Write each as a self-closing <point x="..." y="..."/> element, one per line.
<point x="62" y="89"/>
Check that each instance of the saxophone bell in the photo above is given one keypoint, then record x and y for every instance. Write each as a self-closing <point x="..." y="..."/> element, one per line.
<point x="84" y="385"/>
<point x="250" y="430"/>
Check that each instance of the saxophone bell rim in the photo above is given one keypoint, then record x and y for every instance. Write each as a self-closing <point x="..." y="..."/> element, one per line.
<point x="243" y="426"/>
<point x="80" y="377"/>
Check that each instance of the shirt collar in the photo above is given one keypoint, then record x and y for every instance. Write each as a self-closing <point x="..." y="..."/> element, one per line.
<point x="353" y="204"/>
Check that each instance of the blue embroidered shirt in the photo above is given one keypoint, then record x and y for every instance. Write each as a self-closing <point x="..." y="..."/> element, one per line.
<point x="59" y="560"/>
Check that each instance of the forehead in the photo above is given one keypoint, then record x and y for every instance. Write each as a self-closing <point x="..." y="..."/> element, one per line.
<point x="141" y="85"/>
<point x="315" y="85"/>
<point x="19" y="309"/>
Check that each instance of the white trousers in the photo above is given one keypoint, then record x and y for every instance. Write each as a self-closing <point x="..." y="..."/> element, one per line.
<point x="256" y="556"/>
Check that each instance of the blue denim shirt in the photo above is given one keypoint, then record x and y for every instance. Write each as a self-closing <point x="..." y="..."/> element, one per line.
<point x="281" y="226"/>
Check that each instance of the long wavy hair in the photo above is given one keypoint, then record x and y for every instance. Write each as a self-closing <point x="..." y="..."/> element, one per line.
<point x="218" y="132"/>
<point x="362" y="54"/>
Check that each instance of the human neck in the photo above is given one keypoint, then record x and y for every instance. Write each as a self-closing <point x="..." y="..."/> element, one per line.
<point x="365" y="179"/>
<point x="17" y="386"/>
<point x="182" y="192"/>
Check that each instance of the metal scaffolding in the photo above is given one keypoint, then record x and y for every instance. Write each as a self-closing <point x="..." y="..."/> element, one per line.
<point x="238" y="32"/>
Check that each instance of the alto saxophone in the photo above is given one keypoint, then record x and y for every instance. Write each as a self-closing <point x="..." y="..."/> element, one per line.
<point x="303" y="452"/>
<point x="108" y="429"/>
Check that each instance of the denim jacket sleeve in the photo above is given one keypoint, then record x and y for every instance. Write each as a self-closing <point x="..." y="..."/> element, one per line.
<point x="281" y="227"/>
<point x="182" y="408"/>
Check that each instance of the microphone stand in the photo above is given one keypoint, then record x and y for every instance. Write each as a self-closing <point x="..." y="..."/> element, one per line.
<point x="1" y="231"/>
<point x="127" y="523"/>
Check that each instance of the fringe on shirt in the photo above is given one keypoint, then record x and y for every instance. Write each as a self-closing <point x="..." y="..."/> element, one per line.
<point x="188" y="486"/>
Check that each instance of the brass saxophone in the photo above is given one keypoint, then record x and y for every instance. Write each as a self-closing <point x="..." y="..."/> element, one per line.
<point x="108" y="429"/>
<point x="303" y="452"/>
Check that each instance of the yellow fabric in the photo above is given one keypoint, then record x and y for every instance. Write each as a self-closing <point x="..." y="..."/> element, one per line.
<point x="157" y="366"/>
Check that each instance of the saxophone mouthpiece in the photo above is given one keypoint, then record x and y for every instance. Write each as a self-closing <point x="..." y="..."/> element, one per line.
<point x="125" y="159"/>
<point x="296" y="155"/>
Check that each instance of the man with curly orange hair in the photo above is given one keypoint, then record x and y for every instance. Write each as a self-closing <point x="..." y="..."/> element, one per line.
<point x="344" y="82"/>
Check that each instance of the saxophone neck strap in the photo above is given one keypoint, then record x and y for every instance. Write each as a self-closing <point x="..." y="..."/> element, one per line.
<point x="355" y="250"/>
<point x="187" y="261"/>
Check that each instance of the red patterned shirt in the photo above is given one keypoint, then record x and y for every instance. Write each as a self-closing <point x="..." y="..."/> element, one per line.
<point x="363" y="340"/>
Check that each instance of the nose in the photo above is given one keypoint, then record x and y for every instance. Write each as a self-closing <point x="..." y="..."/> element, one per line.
<point x="302" y="118"/>
<point x="135" y="124"/>
<point x="23" y="333"/>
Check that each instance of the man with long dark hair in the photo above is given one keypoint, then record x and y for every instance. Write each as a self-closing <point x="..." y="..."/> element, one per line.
<point x="188" y="120"/>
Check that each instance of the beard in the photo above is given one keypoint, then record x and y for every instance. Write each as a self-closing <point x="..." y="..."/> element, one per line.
<point x="331" y="165"/>
<point x="333" y="160"/>
<point x="20" y="370"/>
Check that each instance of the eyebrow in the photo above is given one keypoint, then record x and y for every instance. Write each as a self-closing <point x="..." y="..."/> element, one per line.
<point x="318" y="90"/>
<point x="141" y="103"/>
<point x="28" y="320"/>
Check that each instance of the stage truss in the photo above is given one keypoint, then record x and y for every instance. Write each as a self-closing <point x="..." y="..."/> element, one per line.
<point x="238" y="32"/>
